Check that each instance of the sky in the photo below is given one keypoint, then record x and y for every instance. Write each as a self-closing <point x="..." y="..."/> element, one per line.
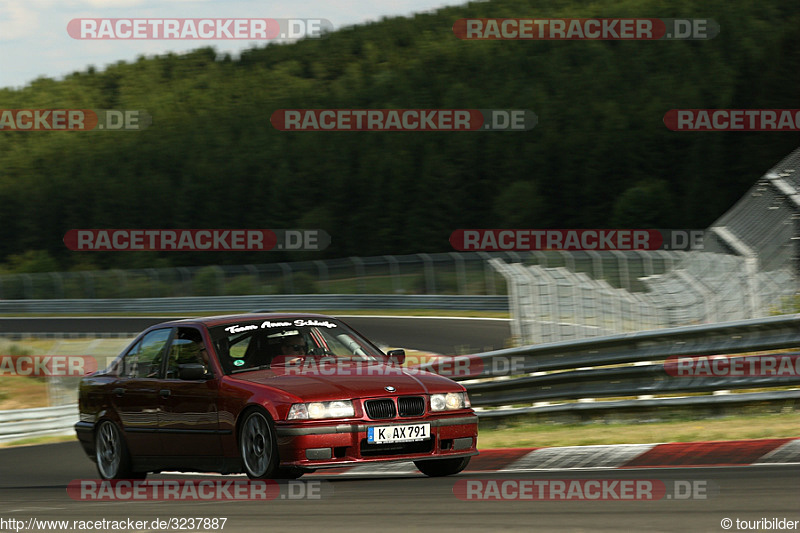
<point x="34" y="41"/>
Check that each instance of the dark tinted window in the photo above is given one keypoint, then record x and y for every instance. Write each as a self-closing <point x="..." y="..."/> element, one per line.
<point x="187" y="348"/>
<point x="144" y="359"/>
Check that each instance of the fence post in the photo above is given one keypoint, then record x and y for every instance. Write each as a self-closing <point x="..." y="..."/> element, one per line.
<point x="515" y="257"/>
<point x="708" y="297"/>
<point x="597" y="264"/>
<point x="89" y="286"/>
<point x="186" y="279"/>
<point x="394" y="272"/>
<point x="517" y="314"/>
<point x="751" y="271"/>
<point x="27" y="287"/>
<point x="430" y="279"/>
<point x="122" y="288"/>
<point x="288" y="276"/>
<point x="153" y="286"/>
<point x="461" y="274"/>
<point x="488" y="272"/>
<point x="569" y="260"/>
<point x="359" y="265"/>
<point x="58" y="285"/>
<point x="541" y="258"/>
<point x="322" y="272"/>
<point x="647" y="262"/>
<point x="622" y="264"/>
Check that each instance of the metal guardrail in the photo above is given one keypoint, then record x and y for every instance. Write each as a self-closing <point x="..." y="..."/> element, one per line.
<point x="582" y="370"/>
<point x="611" y="382"/>
<point x="576" y="370"/>
<point x="25" y="423"/>
<point x="278" y="302"/>
<point x="645" y="403"/>
<point x="772" y="333"/>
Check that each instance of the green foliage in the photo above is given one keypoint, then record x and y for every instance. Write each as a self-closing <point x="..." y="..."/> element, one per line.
<point x="305" y="283"/>
<point x="31" y="261"/>
<point x="519" y="205"/>
<point x="600" y="153"/>
<point x="647" y="204"/>
<point x="208" y="281"/>
<point x="241" y="285"/>
<point x="787" y="305"/>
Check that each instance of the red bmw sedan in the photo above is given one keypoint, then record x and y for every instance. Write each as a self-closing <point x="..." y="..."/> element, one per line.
<point x="270" y="395"/>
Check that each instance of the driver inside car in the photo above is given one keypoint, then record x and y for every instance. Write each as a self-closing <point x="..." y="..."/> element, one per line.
<point x="294" y="345"/>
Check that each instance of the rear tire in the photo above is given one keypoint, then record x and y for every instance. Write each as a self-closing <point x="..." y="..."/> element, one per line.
<point x="442" y="467"/>
<point x="111" y="453"/>
<point x="258" y="446"/>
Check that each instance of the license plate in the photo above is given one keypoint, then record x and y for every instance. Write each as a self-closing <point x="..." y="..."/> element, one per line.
<point x="402" y="433"/>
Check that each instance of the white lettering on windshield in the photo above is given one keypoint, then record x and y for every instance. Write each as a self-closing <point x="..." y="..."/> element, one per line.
<point x="238" y="329"/>
<point x="268" y="324"/>
<point x="319" y="323"/>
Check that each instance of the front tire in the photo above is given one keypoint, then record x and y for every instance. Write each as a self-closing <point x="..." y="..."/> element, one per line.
<point x="442" y="467"/>
<point x="258" y="446"/>
<point x="112" y="455"/>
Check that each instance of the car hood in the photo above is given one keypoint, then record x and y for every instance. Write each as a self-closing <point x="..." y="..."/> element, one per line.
<point x="349" y="381"/>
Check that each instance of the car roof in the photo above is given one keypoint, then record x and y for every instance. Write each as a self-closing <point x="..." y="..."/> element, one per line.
<point x="217" y="320"/>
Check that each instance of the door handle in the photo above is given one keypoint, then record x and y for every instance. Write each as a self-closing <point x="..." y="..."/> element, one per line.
<point x="119" y="391"/>
<point x="164" y="393"/>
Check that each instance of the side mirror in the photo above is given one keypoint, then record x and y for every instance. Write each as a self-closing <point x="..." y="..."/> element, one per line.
<point x="191" y="371"/>
<point x="397" y="357"/>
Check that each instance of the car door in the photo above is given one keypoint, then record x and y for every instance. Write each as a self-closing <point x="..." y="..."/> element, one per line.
<point x="134" y="394"/>
<point x="188" y="415"/>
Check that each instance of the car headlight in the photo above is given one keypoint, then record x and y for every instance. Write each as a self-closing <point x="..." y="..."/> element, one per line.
<point x="319" y="410"/>
<point x="449" y="401"/>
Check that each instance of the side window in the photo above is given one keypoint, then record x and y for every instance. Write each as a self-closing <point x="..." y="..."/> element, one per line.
<point x="187" y="348"/>
<point x="144" y="359"/>
<point x="233" y="350"/>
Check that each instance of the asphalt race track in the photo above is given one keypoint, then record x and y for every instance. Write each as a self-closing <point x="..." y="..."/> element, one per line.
<point x="448" y="336"/>
<point x="33" y="483"/>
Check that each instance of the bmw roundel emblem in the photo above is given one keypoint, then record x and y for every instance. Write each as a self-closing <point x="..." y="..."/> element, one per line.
<point x="389" y="388"/>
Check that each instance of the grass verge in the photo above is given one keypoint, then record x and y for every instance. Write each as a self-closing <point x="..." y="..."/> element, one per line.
<point x="22" y="392"/>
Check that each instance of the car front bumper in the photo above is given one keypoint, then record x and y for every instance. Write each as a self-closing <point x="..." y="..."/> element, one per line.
<point x="331" y="445"/>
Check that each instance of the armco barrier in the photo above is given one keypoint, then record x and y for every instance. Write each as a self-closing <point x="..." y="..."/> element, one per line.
<point x="615" y="366"/>
<point x="25" y="423"/>
<point x="645" y="402"/>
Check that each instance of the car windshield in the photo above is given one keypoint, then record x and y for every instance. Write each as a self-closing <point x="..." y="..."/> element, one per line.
<point x="258" y="344"/>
